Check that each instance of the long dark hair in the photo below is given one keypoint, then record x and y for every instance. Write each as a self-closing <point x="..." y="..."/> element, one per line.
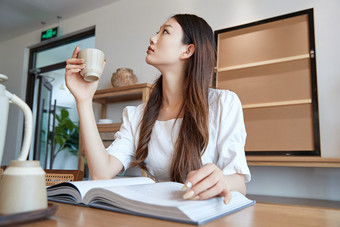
<point x="193" y="136"/>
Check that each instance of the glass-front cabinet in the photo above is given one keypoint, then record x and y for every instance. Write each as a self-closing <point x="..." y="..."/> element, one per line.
<point x="271" y="66"/>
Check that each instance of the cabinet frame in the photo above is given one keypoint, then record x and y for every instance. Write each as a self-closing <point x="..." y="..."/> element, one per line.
<point x="311" y="56"/>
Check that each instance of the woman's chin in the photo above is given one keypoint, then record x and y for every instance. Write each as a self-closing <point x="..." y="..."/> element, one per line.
<point x="148" y="60"/>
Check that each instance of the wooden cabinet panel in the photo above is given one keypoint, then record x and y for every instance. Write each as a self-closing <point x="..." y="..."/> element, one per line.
<point x="283" y="128"/>
<point x="273" y="40"/>
<point x="273" y="83"/>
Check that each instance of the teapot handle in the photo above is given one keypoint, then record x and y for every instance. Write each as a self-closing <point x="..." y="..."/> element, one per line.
<point x="28" y="124"/>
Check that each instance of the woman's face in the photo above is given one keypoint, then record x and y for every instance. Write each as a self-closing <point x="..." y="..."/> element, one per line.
<point x="166" y="47"/>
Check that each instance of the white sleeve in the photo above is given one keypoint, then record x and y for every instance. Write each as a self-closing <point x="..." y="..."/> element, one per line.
<point x="231" y="136"/>
<point x="123" y="146"/>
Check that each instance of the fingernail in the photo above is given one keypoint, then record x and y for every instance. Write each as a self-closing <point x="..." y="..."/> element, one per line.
<point x="226" y="201"/>
<point x="195" y="198"/>
<point x="187" y="186"/>
<point x="188" y="194"/>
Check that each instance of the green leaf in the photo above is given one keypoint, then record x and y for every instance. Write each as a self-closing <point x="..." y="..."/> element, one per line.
<point x="64" y="114"/>
<point x="66" y="133"/>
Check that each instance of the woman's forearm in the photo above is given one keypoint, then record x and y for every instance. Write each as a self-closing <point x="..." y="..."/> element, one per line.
<point x="101" y="164"/>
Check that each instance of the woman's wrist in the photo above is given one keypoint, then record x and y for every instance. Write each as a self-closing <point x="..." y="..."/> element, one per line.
<point x="235" y="182"/>
<point x="84" y="103"/>
<point x="227" y="185"/>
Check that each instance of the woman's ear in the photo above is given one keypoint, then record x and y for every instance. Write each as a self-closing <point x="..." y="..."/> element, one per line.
<point x="189" y="51"/>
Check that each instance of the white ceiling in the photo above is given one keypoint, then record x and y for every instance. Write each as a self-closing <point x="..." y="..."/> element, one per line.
<point x="18" y="17"/>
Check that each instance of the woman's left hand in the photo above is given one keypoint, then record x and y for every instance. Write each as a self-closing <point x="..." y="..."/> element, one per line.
<point x="207" y="182"/>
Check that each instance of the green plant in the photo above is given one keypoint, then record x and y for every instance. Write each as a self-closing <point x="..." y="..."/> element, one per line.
<point x="66" y="134"/>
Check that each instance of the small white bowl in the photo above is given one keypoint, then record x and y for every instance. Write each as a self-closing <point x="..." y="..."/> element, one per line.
<point x="105" y="121"/>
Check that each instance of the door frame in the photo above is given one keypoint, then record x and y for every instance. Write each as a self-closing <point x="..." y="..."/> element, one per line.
<point x="33" y="73"/>
<point x="49" y="44"/>
<point x="40" y="108"/>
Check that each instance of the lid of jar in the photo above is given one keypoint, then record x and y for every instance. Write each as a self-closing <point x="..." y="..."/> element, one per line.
<point x="3" y="77"/>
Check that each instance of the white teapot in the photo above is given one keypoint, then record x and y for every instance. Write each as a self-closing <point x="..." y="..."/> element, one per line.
<point x="5" y="98"/>
<point x="22" y="186"/>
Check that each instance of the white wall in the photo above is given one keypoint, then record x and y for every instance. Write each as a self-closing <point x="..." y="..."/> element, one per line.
<point x="122" y="32"/>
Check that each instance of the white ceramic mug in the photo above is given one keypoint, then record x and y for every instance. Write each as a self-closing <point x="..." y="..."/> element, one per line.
<point x="94" y="62"/>
<point x="23" y="188"/>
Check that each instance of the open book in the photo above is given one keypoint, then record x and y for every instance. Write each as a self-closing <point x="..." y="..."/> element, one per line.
<point x="142" y="196"/>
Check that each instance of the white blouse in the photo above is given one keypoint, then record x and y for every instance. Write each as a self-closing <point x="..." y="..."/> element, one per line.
<point x="227" y="136"/>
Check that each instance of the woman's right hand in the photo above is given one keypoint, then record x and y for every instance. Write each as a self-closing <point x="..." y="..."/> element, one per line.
<point x="81" y="89"/>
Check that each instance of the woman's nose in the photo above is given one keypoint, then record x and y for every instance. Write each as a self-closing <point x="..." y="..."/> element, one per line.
<point x="153" y="39"/>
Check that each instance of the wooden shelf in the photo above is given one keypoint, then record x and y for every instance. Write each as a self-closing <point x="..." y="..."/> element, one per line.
<point x="280" y="103"/>
<point x="121" y="94"/>
<point x="262" y="63"/>
<point x="295" y="201"/>
<point x="113" y="95"/>
<point x="109" y="127"/>
<point x="293" y="161"/>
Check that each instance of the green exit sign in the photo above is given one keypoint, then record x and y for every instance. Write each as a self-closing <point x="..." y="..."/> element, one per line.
<point x="50" y="33"/>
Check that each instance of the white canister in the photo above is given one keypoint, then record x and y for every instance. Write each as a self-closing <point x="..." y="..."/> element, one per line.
<point x="23" y="188"/>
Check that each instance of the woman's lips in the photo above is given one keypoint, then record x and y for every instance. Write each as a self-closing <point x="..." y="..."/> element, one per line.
<point x="149" y="50"/>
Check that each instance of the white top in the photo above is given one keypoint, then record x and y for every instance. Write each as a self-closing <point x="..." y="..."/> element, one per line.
<point x="227" y="136"/>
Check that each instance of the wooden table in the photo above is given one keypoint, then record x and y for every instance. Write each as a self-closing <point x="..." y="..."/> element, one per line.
<point x="260" y="214"/>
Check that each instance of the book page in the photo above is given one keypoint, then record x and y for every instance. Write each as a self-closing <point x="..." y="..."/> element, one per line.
<point x="85" y="186"/>
<point x="214" y="207"/>
<point x="165" y="199"/>
<point x="165" y="193"/>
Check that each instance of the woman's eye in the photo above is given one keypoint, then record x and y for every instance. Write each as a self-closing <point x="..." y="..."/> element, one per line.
<point x="164" y="31"/>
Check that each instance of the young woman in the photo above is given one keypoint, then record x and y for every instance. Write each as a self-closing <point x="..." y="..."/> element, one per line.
<point x="186" y="132"/>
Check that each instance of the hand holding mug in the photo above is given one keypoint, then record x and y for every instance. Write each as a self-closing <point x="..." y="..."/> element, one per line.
<point x="81" y="89"/>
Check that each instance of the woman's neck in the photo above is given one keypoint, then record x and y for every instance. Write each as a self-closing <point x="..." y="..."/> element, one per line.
<point x="173" y="95"/>
<point x="172" y="91"/>
<point x="173" y="83"/>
